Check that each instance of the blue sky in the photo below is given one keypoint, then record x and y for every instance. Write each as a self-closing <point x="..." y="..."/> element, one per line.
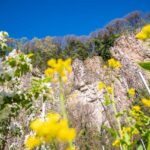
<point x="39" y="18"/>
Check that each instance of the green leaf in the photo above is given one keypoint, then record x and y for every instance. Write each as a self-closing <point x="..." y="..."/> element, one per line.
<point x="119" y="114"/>
<point x="148" y="145"/>
<point x="111" y="131"/>
<point x="140" y="147"/>
<point x="127" y="139"/>
<point x="107" y="101"/>
<point x="145" y="65"/>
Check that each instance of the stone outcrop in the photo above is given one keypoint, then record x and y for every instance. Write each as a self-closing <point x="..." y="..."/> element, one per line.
<point x="86" y="103"/>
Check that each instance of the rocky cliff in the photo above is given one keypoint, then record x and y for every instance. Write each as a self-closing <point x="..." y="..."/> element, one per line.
<point x="86" y="103"/>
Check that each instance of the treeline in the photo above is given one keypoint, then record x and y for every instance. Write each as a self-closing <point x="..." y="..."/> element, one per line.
<point x="97" y="43"/>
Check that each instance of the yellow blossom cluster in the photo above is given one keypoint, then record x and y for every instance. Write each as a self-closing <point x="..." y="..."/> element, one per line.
<point x="70" y="148"/>
<point x="114" y="63"/>
<point x="51" y="128"/>
<point x="109" y="89"/>
<point x="116" y="143"/>
<point x="145" y="33"/>
<point x="131" y="92"/>
<point x="32" y="141"/>
<point x="102" y="85"/>
<point x="125" y="130"/>
<point x="30" y="55"/>
<point x="136" y="108"/>
<point x="146" y="102"/>
<point x="135" y="131"/>
<point x="129" y="130"/>
<point x="59" y="67"/>
<point x="136" y="113"/>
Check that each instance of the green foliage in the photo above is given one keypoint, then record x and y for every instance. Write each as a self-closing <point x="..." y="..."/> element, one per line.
<point x="3" y="45"/>
<point x="42" y="49"/>
<point x="40" y="86"/>
<point x="75" y="49"/>
<point x="140" y="147"/>
<point x="14" y="94"/>
<point x="103" y="45"/>
<point x="145" y="65"/>
<point x="136" y="125"/>
<point x="110" y="131"/>
<point x="45" y="49"/>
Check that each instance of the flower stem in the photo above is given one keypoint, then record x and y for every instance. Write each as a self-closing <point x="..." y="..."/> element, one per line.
<point x="115" y="111"/>
<point x="62" y="99"/>
<point x="62" y="103"/>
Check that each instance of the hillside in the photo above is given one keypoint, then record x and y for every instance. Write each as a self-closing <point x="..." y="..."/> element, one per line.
<point x="77" y="93"/>
<point x="86" y="104"/>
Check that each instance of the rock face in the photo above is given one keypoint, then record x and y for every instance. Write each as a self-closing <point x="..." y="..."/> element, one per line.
<point x="86" y="103"/>
<point x="129" y="52"/>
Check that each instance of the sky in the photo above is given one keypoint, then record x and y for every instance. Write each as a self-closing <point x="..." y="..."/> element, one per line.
<point x="40" y="18"/>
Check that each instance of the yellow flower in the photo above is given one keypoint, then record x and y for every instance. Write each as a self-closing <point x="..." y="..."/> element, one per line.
<point x="51" y="62"/>
<point x="126" y="130"/>
<point x="146" y="102"/>
<point x="67" y="64"/>
<point x="134" y="113"/>
<point x="141" y="36"/>
<point x="116" y="143"/>
<point x="66" y="134"/>
<point x="63" y="123"/>
<point x="60" y="67"/>
<point x="70" y="148"/>
<point x="46" y="128"/>
<point x="105" y="67"/>
<point x="136" y="108"/>
<point x="131" y="92"/>
<point x="146" y="30"/>
<point x="145" y="33"/>
<point x="36" y="124"/>
<point x="30" y="55"/>
<point x="109" y="89"/>
<point x="101" y="85"/>
<point x="114" y="63"/>
<point x="53" y="117"/>
<point x="32" y="141"/>
<point x="53" y="127"/>
<point x="49" y="72"/>
<point x="135" y="131"/>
